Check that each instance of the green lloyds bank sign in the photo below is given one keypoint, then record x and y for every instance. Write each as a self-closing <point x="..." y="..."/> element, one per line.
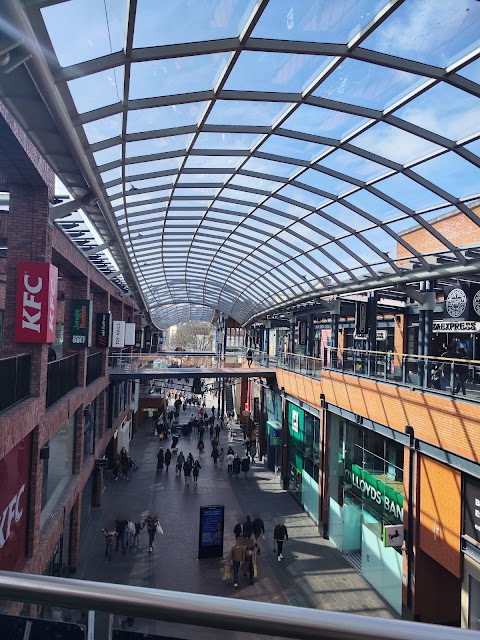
<point x="379" y="492"/>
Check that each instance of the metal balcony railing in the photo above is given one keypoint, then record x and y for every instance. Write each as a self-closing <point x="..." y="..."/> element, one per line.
<point x="15" y="380"/>
<point x="94" y="366"/>
<point x="62" y="377"/>
<point x="213" y="611"/>
<point x="442" y="375"/>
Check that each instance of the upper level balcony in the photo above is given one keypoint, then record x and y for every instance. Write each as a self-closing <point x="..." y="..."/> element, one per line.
<point x="15" y="380"/>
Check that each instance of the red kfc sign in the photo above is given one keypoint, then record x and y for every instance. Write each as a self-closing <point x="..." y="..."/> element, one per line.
<point x="36" y="312"/>
<point x="15" y="484"/>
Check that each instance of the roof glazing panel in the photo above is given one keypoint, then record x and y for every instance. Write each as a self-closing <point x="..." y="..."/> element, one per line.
<point x="263" y="147"/>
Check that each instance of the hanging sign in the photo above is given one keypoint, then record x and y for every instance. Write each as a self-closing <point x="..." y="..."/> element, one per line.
<point x="129" y="333"/>
<point x="302" y="333"/>
<point x="381" y="335"/>
<point x="81" y="324"/>
<point x="456" y="303"/>
<point x="118" y="334"/>
<point x="36" y="303"/>
<point x="471" y="508"/>
<point x="103" y="329"/>
<point x="361" y="320"/>
<point x="393" y="535"/>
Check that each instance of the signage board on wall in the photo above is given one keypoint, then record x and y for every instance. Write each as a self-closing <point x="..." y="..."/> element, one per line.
<point x="81" y="324"/>
<point x="456" y="326"/>
<point x="456" y="302"/>
<point x="381" y="335"/>
<point x="210" y="537"/>
<point x="36" y="302"/>
<point x="103" y="324"/>
<point x="471" y="508"/>
<point x="361" y="320"/>
<point x="118" y="334"/>
<point x="15" y="483"/>
<point x="376" y="490"/>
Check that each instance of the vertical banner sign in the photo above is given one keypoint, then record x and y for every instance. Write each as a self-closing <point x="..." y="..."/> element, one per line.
<point x="302" y="333"/>
<point x="210" y="537"/>
<point x="103" y="330"/>
<point x="15" y="487"/>
<point x="361" y="320"/>
<point x="129" y="333"/>
<point x="36" y="309"/>
<point x="81" y="324"/>
<point x="118" y="334"/>
<point x="147" y="335"/>
<point x="139" y="338"/>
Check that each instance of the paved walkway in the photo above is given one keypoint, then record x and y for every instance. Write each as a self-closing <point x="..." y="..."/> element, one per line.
<point x="312" y="574"/>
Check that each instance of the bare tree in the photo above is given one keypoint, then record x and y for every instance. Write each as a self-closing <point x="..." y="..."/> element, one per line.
<point x="194" y="336"/>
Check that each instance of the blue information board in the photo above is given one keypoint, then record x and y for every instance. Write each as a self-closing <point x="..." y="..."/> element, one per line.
<point x="210" y="538"/>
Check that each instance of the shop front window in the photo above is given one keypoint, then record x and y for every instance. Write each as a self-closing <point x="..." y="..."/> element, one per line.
<point x="57" y="469"/>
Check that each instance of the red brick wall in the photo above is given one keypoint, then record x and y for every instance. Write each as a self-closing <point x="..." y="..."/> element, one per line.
<point x="459" y="229"/>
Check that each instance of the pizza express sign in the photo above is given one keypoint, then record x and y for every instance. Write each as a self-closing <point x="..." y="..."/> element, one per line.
<point x="462" y="302"/>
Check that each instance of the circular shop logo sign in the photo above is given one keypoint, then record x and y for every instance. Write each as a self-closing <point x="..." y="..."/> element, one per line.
<point x="476" y="303"/>
<point x="456" y="303"/>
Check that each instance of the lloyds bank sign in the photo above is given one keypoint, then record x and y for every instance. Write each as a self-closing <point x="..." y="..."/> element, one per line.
<point x="376" y="490"/>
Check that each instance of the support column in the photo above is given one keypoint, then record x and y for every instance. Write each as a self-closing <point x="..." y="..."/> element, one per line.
<point x="310" y="335"/>
<point x="372" y="359"/>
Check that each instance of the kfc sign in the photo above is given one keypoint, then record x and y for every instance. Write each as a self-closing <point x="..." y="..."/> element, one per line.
<point x="15" y="483"/>
<point x="36" y="311"/>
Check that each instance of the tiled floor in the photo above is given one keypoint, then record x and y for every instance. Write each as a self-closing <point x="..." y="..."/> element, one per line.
<point x="312" y="574"/>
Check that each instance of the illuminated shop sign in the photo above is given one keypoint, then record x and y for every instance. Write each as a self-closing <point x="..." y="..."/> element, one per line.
<point x="36" y="310"/>
<point x="373" y="488"/>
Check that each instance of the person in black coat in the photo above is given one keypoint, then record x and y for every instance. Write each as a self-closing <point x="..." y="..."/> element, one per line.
<point x="258" y="529"/>
<point x="245" y="465"/>
<point x="236" y="466"/>
<point x="168" y="458"/>
<point x="160" y="460"/>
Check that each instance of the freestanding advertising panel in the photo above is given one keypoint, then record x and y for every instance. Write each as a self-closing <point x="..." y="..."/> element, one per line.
<point x="210" y="537"/>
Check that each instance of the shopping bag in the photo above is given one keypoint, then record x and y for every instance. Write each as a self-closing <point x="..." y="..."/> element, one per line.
<point x="227" y="572"/>
<point x="159" y="528"/>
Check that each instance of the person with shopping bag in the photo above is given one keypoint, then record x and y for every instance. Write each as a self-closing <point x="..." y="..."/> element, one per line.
<point x="153" y="526"/>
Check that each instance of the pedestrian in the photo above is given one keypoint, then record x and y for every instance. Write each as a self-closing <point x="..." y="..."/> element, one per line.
<point x="168" y="458"/>
<point x="211" y="430"/>
<point x="196" y="471"/>
<point x="214" y="455"/>
<point x="229" y="459"/>
<point x="180" y="461"/>
<point x="120" y="529"/>
<point x="236" y="466"/>
<point x="190" y="459"/>
<point x="160" y="459"/>
<point x="251" y="559"/>
<point x="116" y="466"/>
<point x="221" y="457"/>
<point x="130" y="534"/>
<point x="230" y="450"/>
<point x="187" y="470"/>
<point x="237" y="530"/>
<point x="151" y="522"/>
<point x="461" y="371"/>
<point x="217" y="432"/>
<point x="213" y="412"/>
<point x="280" y="534"/>
<point x="200" y="446"/>
<point x="245" y="465"/>
<point x="249" y="356"/>
<point x="247" y="528"/>
<point x="136" y="537"/>
<point x="253" y="451"/>
<point x="258" y="530"/>
<point x="124" y="461"/>
<point x="237" y="557"/>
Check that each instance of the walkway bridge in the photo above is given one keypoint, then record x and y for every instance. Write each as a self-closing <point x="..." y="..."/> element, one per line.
<point x="180" y="365"/>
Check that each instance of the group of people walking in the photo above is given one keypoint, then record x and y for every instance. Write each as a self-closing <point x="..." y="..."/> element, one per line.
<point x="126" y="534"/>
<point x="125" y="463"/>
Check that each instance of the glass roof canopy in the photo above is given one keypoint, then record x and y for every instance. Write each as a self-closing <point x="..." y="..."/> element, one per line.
<point x="256" y="152"/>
